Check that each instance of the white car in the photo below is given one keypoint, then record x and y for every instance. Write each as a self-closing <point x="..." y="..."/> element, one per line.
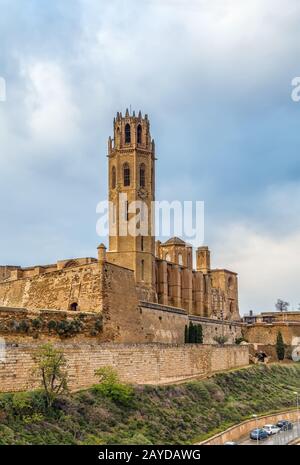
<point x="271" y="429"/>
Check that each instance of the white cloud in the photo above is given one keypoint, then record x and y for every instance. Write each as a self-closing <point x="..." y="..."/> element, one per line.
<point x="268" y="267"/>
<point x="52" y="114"/>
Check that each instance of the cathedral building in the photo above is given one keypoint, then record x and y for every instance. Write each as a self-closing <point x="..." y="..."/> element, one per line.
<point x="144" y="290"/>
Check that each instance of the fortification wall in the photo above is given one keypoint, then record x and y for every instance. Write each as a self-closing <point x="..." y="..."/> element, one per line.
<point x="55" y="290"/>
<point x="164" y="324"/>
<point x="135" y="363"/>
<point x="263" y="333"/>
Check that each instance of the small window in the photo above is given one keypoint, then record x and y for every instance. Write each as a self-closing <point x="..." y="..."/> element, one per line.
<point x="142" y="175"/>
<point x="139" y="134"/>
<point x="126" y="211"/>
<point x="126" y="174"/>
<point x="74" y="306"/>
<point x="113" y="178"/>
<point x="143" y="270"/>
<point x="180" y="259"/>
<point x="127" y="134"/>
<point x="142" y="243"/>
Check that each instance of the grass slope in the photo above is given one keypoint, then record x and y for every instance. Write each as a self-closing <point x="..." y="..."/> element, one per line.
<point x="174" y="414"/>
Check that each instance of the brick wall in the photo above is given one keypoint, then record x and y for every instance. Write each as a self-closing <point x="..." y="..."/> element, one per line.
<point x="135" y="363"/>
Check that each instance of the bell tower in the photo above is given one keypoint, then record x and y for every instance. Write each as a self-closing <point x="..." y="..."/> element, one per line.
<point x="131" y="180"/>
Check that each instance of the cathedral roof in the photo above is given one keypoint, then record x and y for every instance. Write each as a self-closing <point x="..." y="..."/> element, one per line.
<point x="174" y="241"/>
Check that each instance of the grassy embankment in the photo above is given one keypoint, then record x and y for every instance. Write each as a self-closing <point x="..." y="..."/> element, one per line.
<point x="173" y="414"/>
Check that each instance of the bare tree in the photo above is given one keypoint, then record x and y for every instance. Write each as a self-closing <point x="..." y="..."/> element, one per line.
<point x="51" y="368"/>
<point x="282" y="306"/>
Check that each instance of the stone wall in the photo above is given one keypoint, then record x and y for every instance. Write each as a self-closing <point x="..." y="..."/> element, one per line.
<point x="165" y="324"/>
<point x="264" y="333"/>
<point x="237" y="432"/>
<point x="24" y="326"/>
<point x="56" y="290"/>
<point x="136" y="363"/>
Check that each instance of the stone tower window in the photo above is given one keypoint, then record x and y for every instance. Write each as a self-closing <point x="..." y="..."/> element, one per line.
<point x="126" y="174"/>
<point x="74" y="306"/>
<point x="180" y="259"/>
<point x="143" y="270"/>
<point x="113" y="177"/>
<point x="142" y="175"/>
<point x="127" y="134"/>
<point x="167" y="257"/>
<point x="139" y="134"/>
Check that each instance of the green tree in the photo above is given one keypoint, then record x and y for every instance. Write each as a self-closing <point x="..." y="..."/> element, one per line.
<point x="51" y="368"/>
<point x="280" y="349"/>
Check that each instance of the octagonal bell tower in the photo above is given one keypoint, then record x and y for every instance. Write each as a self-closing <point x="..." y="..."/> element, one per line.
<point x="131" y="168"/>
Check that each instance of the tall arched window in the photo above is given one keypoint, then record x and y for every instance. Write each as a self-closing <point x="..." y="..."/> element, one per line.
<point x="142" y="270"/>
<point x="127" y="134"/>
<point x="180" y="259"/>
<point x="113" y="177"/>
<point x="142" y="175"/>
<point x="139" y="134"/>
<point x="126" y="174"/>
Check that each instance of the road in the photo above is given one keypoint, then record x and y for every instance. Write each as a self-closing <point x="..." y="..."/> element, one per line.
<point x="279" y="439"/>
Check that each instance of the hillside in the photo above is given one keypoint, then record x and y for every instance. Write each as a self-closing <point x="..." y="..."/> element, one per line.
<point x="179" y="414"/>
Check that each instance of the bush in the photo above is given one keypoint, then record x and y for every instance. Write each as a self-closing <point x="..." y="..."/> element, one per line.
<point x="111" y="387"/>
<point x="221" y="340"/>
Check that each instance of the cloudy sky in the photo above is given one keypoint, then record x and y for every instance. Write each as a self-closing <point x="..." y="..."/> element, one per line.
<point x="215" y="78"/>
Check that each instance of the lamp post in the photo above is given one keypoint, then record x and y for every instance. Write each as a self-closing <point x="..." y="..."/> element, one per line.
<point x="257" y="440"/>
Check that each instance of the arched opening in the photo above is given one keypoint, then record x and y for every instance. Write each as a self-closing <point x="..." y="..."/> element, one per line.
<point x="142" y="175"/>
<point x="113" y="177"/>
<point x="139" y="134"/>
<point x="126" y="174"/>
<point x="230" y="282"/>
<point x="167" y="257"/>
<point x="127" y="134"/>
<point x="74" y="306"/>
<point x="180" y="259"/>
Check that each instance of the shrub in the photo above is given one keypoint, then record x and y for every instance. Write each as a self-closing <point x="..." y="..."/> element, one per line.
<point x="37" y="323"/>
<point x="221" y="340"/>
<point x="240" y="339"/>
<point x="111" y="387"/>
<point x="52" y="325"/>
<point x="24" y="326"/>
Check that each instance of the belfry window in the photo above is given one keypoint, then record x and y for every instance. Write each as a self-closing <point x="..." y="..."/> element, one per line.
<point x="113" y="177"/>
<point x="142" y="175"/>
<point x="127" y="134"/>
<point x="126" y="174"/>
<point x="139" y="134"/>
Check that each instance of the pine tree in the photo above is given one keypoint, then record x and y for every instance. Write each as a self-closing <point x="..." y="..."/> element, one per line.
<point x="199" y="334"/>
<point x="280" y="349"/>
